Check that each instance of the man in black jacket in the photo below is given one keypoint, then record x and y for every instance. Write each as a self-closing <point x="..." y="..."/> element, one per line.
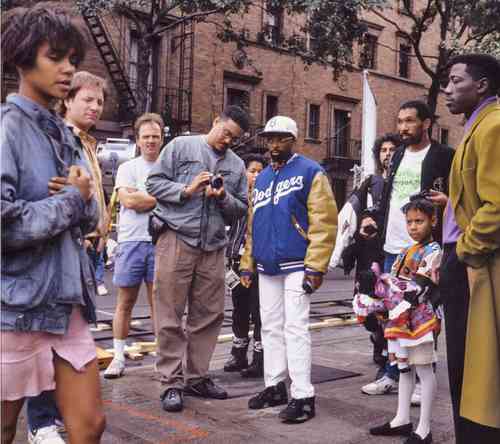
<point x="418" y="166"/>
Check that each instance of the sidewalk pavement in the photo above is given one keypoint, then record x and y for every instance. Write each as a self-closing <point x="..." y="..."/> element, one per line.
<point x="343" y="413"/>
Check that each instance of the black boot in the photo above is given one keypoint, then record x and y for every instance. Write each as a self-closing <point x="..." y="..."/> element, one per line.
<point x="256" y="368"/>
<point x="298" y="410"/>
<point x="238" y="360"/>
<point x="269" y="397"/>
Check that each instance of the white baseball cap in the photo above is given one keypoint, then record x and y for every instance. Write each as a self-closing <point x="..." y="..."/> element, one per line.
<point x="280" y="125"/>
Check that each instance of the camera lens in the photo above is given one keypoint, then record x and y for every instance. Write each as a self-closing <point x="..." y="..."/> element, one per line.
<point x="216" y="182"/>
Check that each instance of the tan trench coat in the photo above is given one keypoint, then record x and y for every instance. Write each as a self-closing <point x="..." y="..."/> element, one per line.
<point x="475" y="197"/>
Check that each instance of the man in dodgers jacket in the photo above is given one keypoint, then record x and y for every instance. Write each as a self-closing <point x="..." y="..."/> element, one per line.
<point x="291" y="234"/>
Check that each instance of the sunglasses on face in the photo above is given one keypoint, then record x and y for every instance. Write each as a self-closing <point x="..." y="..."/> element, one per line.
<point x="278" y="140"/>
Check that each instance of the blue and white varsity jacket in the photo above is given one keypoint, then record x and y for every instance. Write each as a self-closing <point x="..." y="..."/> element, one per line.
<point x="292" y="222"/>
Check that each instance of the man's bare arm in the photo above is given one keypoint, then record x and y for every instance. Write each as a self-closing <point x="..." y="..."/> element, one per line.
<point x="136" y="200"/>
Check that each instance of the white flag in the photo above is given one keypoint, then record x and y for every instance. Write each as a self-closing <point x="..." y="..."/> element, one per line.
<point x="369" y="128"/>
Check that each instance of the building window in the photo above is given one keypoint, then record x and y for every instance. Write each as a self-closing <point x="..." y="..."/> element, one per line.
<point x="368" y="54"/>
<point x="240" y="97"/>
<point x="404" y="60"/>
<point x="313" y="121"/>
<point x="133" y="60"/>
<point x="271" y="107"/>
<point x="444" y="135"/>
<point x="273" y="24"/>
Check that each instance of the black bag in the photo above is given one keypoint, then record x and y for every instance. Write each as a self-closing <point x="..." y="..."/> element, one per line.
<point x="156" y="226"/>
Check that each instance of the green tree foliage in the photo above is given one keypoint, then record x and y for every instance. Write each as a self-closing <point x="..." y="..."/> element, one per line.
<point x="463" y="26"/>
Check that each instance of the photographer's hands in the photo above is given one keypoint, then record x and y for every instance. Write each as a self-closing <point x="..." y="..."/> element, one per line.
<point x="199" y="183"/>
<point x="368" y="228"/>
<point x="202" y="183"/>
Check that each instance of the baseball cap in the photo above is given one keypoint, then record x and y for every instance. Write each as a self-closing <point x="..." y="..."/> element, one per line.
<point x="280" y="125"/>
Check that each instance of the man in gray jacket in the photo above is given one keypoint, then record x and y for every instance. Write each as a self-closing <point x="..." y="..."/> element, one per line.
<point x="199" y="184"/>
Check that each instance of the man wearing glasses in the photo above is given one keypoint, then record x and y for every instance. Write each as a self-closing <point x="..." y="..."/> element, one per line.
<point x="199" y="183"/>
<point x="291" y="235"/>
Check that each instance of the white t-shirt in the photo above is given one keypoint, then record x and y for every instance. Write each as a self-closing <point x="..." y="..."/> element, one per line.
<point x="133" y="226"/>
<point x="406" y="183"/>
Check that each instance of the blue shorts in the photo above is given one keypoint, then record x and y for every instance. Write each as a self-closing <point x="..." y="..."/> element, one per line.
<point x="134" y="263"/>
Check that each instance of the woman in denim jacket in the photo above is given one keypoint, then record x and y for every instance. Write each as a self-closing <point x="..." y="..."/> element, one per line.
<point x="47" y="207"/>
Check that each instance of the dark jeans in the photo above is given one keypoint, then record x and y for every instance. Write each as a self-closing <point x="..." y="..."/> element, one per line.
<point x="246" y="308"/>
<point x="42" y="411"/>
<point x="454" y="289"/>
<point x="97" y="260"/>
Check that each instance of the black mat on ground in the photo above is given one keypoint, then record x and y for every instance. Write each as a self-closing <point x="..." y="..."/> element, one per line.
<point x="237" y="386"/>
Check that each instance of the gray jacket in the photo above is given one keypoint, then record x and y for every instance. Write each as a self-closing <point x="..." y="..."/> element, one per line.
<point x="199" y="221"/>
<point x="45" y="269"/>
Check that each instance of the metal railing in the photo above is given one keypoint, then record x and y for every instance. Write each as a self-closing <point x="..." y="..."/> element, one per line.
<point x="340" y="147"/>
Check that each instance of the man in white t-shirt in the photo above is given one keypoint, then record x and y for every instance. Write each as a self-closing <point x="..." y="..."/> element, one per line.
<point x="419" y="165"/>
<point x="134" y="261"/>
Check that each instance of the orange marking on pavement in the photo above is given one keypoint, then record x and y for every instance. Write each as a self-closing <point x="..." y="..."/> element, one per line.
<point x="193" y="432"/>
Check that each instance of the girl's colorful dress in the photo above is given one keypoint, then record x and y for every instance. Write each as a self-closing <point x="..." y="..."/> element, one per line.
<point x="414" y="273"/>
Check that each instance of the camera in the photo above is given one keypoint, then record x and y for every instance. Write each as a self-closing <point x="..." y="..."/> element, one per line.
<point x="216" y="182"/>
<point x="370" y="229"/>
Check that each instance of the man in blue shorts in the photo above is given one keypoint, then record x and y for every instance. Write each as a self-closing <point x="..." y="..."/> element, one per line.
<point x="134" y="261"/>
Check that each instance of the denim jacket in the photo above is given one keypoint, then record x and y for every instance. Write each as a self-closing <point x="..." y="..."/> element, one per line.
<point x="199" y="221"/>
<point x="45" y="269"/>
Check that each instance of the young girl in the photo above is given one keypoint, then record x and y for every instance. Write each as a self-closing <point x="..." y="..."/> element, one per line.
<point x="411" y="322"/>
<point x="47" y="209"/>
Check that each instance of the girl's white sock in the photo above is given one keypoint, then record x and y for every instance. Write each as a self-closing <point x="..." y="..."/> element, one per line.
<point x="428" y="384"/>
<point x="405" y="389"/>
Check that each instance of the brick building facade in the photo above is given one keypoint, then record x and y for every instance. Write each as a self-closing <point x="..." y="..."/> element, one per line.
<point x="196" y="75"/>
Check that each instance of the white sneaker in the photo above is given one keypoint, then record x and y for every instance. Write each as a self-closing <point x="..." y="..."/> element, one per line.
<point x="416" y="396"/>
<point x="102" y="290"/>
<point x="381" y="386"/>
<point x="115" y="369"/>
<point x="45" y="435"/>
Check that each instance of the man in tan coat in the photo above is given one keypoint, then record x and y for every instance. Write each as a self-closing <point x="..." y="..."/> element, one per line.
<point x="474" y="82"/>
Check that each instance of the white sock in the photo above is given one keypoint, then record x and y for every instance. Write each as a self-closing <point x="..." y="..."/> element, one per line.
<point x="428" y="384"/>
<point x="405" y="389"/>
<point x="119" y="346"/>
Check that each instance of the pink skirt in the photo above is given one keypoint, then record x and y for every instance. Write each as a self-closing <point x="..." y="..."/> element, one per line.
<point x="26" y="358"/>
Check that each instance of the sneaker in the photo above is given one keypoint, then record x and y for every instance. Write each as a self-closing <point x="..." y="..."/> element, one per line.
<point x="206" y="388"/>
<point x="45" y="435"/>
<point x="172" y="400"/>
<point x="381" y="386"/>
<point x="269" y="397"/>
<point x="416" y="396"/>
<point x="102" y="290"/>
<point x="298" y="410"/>
<point x="115" y="369"/>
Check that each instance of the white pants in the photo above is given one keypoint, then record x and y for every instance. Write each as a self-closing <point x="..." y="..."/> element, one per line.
<point x="284" y="312"/>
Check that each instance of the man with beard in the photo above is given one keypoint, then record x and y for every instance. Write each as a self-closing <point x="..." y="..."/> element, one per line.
<point x="471" y="258"/>
<point x="419" y="165"/>
<point x="291" y="234"/>
<point x="200" y="184"/>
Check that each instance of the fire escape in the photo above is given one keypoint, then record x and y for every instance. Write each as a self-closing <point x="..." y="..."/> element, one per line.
<point x="111" y="58"/>
<point x="179" y="99"/>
